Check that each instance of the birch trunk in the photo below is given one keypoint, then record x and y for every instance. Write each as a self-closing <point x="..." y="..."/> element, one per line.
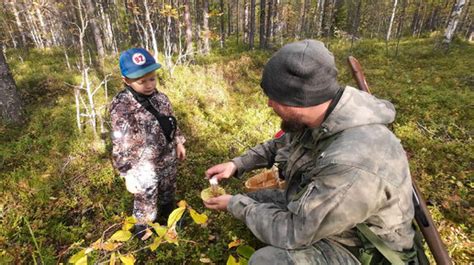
<point x="205" y="26"/>
<point x="44" y="32"/>
<point x="268" y="30"/>
<point x="245" y="21"/>
<point x="107" y="29"/>
<point x="189" y="30"/>
<point x="151" y="29"/>
<point x="11" y="106"/>
<point x="96" y="33"/>
<point x="35" y="36"/>
<point x="392" y="17"/>
<point x="197" y="31"/>
<point x="453" y="21"/>
<point x="321" y="5"/>
<point x="222" y="28"/>
<point x="19" y="24"/>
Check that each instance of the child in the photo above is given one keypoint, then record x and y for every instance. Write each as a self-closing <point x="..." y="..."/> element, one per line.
<point x="146" y="139"/>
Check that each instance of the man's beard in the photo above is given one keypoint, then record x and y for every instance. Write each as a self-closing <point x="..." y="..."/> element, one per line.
<point x="291" y="126"/>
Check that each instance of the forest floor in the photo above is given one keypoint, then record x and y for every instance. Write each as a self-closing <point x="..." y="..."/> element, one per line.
<point x="59" y="192"/>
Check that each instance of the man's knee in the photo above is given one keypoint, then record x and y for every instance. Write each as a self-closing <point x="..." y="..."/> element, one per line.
<point x="271" y="256"/>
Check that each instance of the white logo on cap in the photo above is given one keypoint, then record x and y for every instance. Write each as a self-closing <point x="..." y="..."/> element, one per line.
<point x="138" y="58"/>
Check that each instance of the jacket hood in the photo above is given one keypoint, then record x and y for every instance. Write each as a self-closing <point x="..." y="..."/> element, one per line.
<point x="358" y="108"/>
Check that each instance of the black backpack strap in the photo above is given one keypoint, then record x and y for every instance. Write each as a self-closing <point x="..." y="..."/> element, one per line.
<point x="167" y="123"/>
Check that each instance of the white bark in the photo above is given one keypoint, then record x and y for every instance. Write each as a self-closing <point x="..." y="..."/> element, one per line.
<point x="152" y="30"/>
<point x="453" y="21"/>
<point x="392" y="17"/>
<point x="18" y="23"/>
<point x="44" y="32"/>
<point x="321" y="4"/>
<point x="143" y="38"/>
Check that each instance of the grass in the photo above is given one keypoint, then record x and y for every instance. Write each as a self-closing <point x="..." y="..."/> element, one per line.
<point x="58" y="188"/>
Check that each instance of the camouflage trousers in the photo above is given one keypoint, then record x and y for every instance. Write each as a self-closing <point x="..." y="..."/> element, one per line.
<point x="155" y="190"/>
<point x="323" y="252"/>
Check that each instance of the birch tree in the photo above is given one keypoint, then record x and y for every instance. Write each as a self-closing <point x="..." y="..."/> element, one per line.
<point x="321" y="5"/>
<point x="189" y="30"/>
<point x="11" y="106"/>
<point x="150" y="27"/>
<point x="453" y="21"/>
<point x="222" y="25"/>
<point x="269" y="27"/>
<point x="392" y="17"/>
<point x="205" y="26"/>
<point x="19" y="23"/>
<point x="96" y="33"/>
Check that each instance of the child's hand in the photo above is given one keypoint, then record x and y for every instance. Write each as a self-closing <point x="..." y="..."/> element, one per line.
<point x="180" y="152"/>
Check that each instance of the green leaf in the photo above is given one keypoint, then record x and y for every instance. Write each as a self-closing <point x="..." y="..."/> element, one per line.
<point x="79" y="258"/>
<point x="121" y="235"/>
<point x="175" y="216"/>
<point x="232" y="261"/>
<point x="245" y="251"/>
<point x="128" y="259"/>
<point x="199" y="218"/>
<point x="153" y="246"/>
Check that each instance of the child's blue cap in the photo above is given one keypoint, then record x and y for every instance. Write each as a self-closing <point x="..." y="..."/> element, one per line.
<point x="137" y="62"/>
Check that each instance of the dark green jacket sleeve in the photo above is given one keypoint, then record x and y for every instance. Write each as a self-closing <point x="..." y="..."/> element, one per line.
<point x="336" y="200"/>
<point x="262" y="155"/>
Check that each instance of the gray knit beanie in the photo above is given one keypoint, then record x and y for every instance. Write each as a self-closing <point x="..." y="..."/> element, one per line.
<point x="301" y="74"/>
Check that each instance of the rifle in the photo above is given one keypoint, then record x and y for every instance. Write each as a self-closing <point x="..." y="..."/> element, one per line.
<point x="422" y="215"/>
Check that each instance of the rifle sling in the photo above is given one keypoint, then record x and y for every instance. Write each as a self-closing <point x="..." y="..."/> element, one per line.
<point x="392" y="256"/>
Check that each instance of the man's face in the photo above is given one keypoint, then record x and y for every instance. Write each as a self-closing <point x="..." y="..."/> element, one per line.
<point x="144" y="85"/>
<point x="290" y="119"/>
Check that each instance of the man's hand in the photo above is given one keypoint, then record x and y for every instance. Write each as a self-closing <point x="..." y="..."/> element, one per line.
<point x="221" y="171"/>
<point x="180" y="152"/>
<point x="218" y="203"/>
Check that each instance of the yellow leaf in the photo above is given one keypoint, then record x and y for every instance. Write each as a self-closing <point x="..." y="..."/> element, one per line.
<point x="97" y="245"/>
<point x="121" y="235"/>
<point x="171" y="236"/>
<point x="112" y="259"/>
<point x="129" y="222"/>
<point x="155" y="243"/>
<point x="160" y="230"/>
<point x="79" y="258"/>
<point x="131" y="219"/>
<point x="197" y="217"/>
<point x="175" y="216"/>
<point x="110" y="246"/>
<point x="127" y="226"/>
<point x="234" y="243"/>
<point x="182" y="203"/>
<point x="232" y="261"/>
<point x="128" y="259"/>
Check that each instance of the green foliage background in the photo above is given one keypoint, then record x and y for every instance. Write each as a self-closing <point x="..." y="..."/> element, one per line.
<point x="60" y="182"/>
